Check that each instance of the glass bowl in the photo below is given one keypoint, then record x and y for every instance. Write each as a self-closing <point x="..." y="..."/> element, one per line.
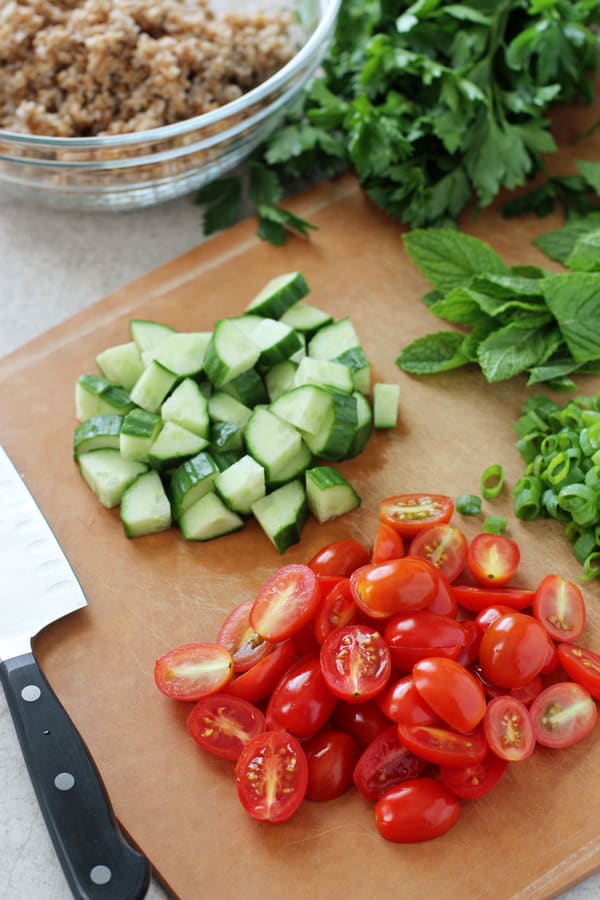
<point x="127" y="171"/>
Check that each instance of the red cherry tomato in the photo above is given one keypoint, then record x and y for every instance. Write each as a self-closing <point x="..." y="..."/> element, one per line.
<point x="476" y="780"/>
<point x="551" y="661"/>
<point x="493" y="558"/>
<point x="237" y="636"/>
<point x="399" y="585"/>
<point x="560" y="607"/>
<point x="442" y="746"/>
<point x="401" y="702"/>
<point x="444" y="603"/>
<point x="385" y="763"/>
<point x="305" y="641"/>
<point x="444" y="546"/>
<point x="257" y="683"/>
<point x="355" y="662"/>
<point x="563" y="714"/>
<point x="331" y="756"/>
<point x="513" y="650"/>
<point x="416" y="635"/>
<point x="476" y="599"/>
<point x="488" y="615"/>
<point x="388" y="544"/>
<point x="417" y="810"/>
<point x="508" y="728"/>
<point x="363" y="721"/>
<point x="192" y="671"/>
<point x="271" y="776"/>
<point x="286" y="602"/>
<point x="223" y="724"/>
<point x="336" y="610"/>
<point x="470" y="651"/>
<point x="410" y="513"/>
<point x="582" y="666"/>
<point x="525" y="694"/>
<point x="301" y="702"/>
<point x="339" y="558"/>
<point x="451" y="691"/>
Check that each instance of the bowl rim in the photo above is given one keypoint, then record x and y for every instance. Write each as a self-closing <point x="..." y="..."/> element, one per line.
<point x="329" y="9"/>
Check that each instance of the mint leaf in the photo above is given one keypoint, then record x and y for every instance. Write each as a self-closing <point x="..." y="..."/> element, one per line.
<point x="433" y="353"/>
<point x="513" y="349"/>
<point x="461" y="306"/>
<point x="574" y="301"/>
<point x="450" y="258"/>
<point x="585" y="255"/>
<point x="559" y="244"/>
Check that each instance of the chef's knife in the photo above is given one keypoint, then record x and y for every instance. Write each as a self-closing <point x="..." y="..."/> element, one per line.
<point x="38" y="586"/>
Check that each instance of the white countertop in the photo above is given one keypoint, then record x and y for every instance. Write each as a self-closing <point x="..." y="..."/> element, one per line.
<point x="54" y="264"/>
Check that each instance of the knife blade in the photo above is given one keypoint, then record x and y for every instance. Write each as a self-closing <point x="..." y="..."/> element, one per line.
<point x="39" y="586"/>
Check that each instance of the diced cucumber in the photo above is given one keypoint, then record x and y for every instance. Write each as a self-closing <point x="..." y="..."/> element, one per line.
<point x="225" y="436"/>
<point x="229" y="353"/>
<point x="223" y="407"/>
<point x="364" y="423"/>
<point x="152" y="387"/>
<point x="334" y="439"/>
<point x="326" y="373"/>
<point x="272" y="442"/>
<point x="386" y="398"/>
<point x="188" y="407"/>
<point x="183" y="352"/>
<point x="145" y="507"/>
<point x="305" y="317"/>
<point x="278" y="295"/>
<point x="108" y="474"/>
<point x="276" y="341"/>
<point x="209" y="518"/>
<point x="121" y="364"/>
<point x="356" y="360"/>
<point x="99" y="432"/>
<point x="191" y="481"/>
<point x="328" y="493"/>
<point x="248" y="388"/>
<point x="96" y="396"/>
<point x="282" y="514"/>
<point x="148" y="335"/>
<point x="295" y="468"/>
<point x="332" y="340"/>
<point x="241" y="485"/>
<point x="173" y="445"/>
<point x="282" y="377"/>
<point x="225" y="458"/>
<point x="139" y="431"/>
<point x="305" y="407"/>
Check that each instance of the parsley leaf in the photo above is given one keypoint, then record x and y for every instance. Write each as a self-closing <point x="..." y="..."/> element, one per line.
<point x="223" y="202"/>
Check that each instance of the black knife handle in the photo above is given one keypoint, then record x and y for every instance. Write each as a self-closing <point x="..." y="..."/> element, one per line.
<point x="98" y="862"/>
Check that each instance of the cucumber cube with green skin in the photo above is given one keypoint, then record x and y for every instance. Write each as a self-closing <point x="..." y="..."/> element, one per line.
<point x="108" y="474"/>
<point x="360" y="368"/>
<point x="225" y="436"/>
<point x="326" y="373"/>
<point x="305" y="407"/>
<point x="328" y="493"/>
<point x="332" y="340"/>
<point x="273" y="443"/>
<point x="99" y="432"/>
<point x="305" y="317"/>
<point x="96" y="396"/>
<point x="173" y="445"/>
<point x="187" y="406"/>
<point x="295" y="468"/>
<point x="139" y="431"/>
<point x="209" y="518"/>
<point x="225" y="458"/>
<point x="334" y="439"/>
<point x="364" y="425"/>
<point x="148" y="335"/>
<point x="386" y="398"/>
<point x="229" y="353"/>
<point x="223" y="407"/>
<point x="191" y="481"/>
<point x="145" y="507"/>
<point x="282" y="514"/>
<point x="281" y="378"/>
<point x="247" y="387"/>
<point x="241" y="485"/>
<point x="278" y="295"/>
<point x="276" y="341"/>
<point x="121" y="364"/>
<point x="152" y="386"/>
<point x="183" y="352"/>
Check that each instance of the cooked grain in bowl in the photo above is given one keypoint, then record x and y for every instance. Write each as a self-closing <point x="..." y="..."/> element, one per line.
<point x="81" y="68"/>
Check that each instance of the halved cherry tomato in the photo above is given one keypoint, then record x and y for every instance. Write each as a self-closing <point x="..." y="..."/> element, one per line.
<point x="237" y="636"/>
<point x="443" y="746"/>
<point x="339" y="558"/>
<point x="223" y="724"/>
<point x="513" y="650"/>
<point x="417" y="810"/>
<point x="508" y="728"/>
<point x="192" y="671"/>
<point x="388" y="544"/>
<point x="302" y="701"/>
<point x="286" y="601"/>
<point x="257" y="683"/>
<point x="355" y="662"/>
<point x="470" y="651"/>
<point x="582" y="665"/>
<point x="560" y="607"/>
<point x="335" y="610"/>
<point x="476" y="780"/>
<point x="398" y="585"/>
<point x="476" y="599"/>
<point x="413" y="636"/>
<point x="444" y="546"/>
<point x="444" y="603"/>
<point x="385" y="763"/>
<point x="331" y="756"/>
<point x="271" y="776"/>
<point x="488" y="615"/>
<point x="563" y="714"/>
<point x="363" y="721"/>
<point x="451" y="691"/>
<point x="401" y="702"/>
<point x="410" y="513"/>
<point x="493" y="558"/>
<point x="305" y="641"/>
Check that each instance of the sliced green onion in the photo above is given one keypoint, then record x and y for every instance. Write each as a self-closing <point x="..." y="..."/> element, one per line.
<point x="584" y="545"/>
<point x="528" y="498"/>
<point x="492" y="481"/>
<point x="527" y="447"/>
<point x="468" y="505"/>
<point x="591" y="565"/>
<point x="581" y="502"/>
<point x="495" y="524"/>
<point x="558" y="468"/>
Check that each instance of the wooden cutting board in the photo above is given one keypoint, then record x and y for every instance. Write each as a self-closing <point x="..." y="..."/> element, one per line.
<point x="538" y="832"/>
